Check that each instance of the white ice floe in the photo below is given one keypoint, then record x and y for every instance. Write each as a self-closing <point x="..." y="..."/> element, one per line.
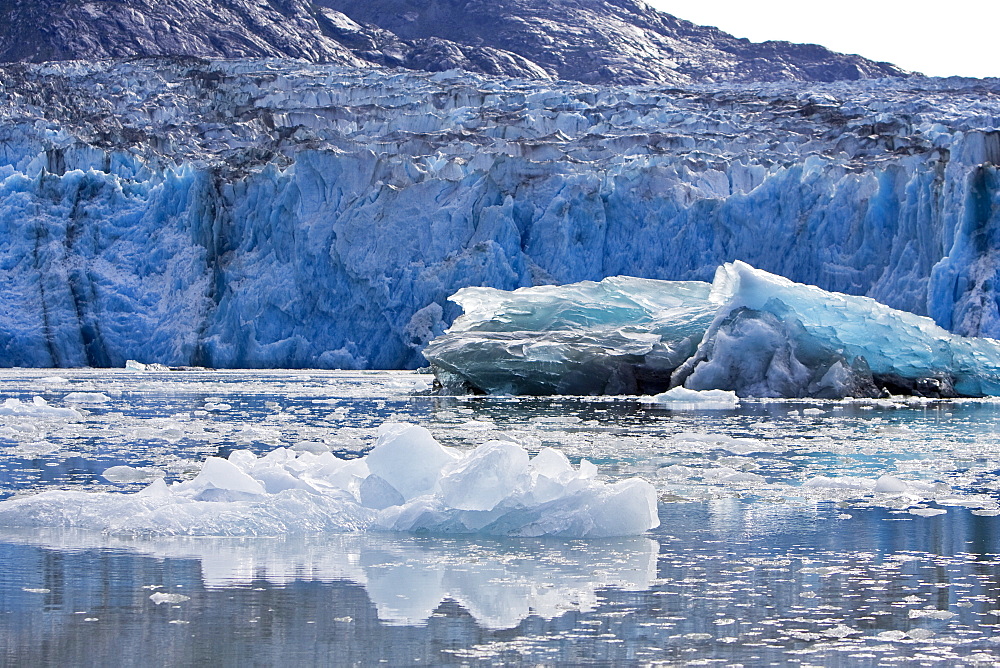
<point x="681" y="398"/>
<point x="38" y="408"/>
<point x="409" y="482"/>
<point x="124" y="474"/>
<point x="86" y="398"/>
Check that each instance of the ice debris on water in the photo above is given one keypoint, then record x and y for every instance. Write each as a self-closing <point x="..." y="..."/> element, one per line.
<point x="680" y="398"/>
<point x="38" y="408"/>
<point x="126" y="473"/>
<point x="408" y="482"/>
<point x="86" y="398"/>
<point x="748" y="332"/>
<point x="160" y="597"/>
<point x="133" y="365"/>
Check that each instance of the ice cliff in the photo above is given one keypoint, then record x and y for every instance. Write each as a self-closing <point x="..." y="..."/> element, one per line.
<point x="279" y="214"/>
<point x="748" y="333"/>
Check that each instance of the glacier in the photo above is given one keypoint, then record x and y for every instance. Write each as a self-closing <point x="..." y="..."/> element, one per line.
<point x="275" y="213"/>
<point x="749" y="333"/>
<point x="408" y="482"/>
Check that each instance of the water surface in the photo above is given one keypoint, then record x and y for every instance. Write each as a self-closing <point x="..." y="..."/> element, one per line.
<point x="774" y="545"/>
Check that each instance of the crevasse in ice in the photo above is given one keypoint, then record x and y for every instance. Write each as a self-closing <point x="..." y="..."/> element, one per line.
<point x="749" y="332"/>
<point x="409" y="482"/>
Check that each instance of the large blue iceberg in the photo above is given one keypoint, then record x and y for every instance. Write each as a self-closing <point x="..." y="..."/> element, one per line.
<point x="749" y="331"/>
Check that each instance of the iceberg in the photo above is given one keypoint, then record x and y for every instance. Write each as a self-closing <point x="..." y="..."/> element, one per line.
<point x="408" y="482"/>
<point x="680" y="398"/>
<point x="749" y="332"/>
<point x="621" y="335"/>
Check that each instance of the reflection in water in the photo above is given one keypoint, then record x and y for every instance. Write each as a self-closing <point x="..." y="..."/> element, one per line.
<point x="775" y="545"/>
<point x="717" y="584"/>
<point x="499" y="582"/>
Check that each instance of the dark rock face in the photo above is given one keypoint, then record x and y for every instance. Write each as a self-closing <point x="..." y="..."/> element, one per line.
<point x="609" y="41"/>
<point x="593" y="41"/>
<point x="40" y="30"/>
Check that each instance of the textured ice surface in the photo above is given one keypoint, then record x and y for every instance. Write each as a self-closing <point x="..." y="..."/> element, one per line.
<point x="773" y="337"/>
<point x="617" y="336"/>
<point x="274" y="213"/>
<point x="749" y="332"/>
<point x="409" y="482"/>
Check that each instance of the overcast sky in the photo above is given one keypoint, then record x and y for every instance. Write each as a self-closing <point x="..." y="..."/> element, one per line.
<point x="959" y="37"/>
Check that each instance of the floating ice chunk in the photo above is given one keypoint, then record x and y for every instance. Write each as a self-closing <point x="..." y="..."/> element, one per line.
<point x="220" y="474"/>
<point x="35" y="448"/>
<point x="133" y="365"/>
<point x="86" y="398"/>
<point x="750" y="332"/>
<point x="853" y="483"/>
<point x="408" y="482"/>
<point x="610" y="337"/>
<point x="132" y="474"/>
<point x="774" y="337"/>
<point x="927" y="512"/>
<point x="38" y="408"/>
<point x="888" y="484"/>
<point x="408" y="458"/>
<point x="162" y="597"/>
<point x="932" y="613"/>
<point x="681" y="398"/>
<point x="886" y="490"/>
<point x="485" y="477"/>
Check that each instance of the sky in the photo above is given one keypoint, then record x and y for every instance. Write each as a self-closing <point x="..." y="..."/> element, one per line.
<point x="959" y="37"/>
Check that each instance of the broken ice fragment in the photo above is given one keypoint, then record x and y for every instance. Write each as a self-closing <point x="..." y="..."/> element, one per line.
<point x="749" y="332"/>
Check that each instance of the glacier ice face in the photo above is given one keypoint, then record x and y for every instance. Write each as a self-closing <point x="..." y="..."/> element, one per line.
<point x="278" y="214"/>
<point x="408" y="482"/>
<point x="750" y="333"/>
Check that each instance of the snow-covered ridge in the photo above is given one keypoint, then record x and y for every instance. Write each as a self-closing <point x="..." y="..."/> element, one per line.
<point x="272" y="213"/>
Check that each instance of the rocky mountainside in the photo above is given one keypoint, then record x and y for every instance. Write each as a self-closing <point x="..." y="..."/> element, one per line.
<point x="609" y="41"/>
<point x="592" y="41"/>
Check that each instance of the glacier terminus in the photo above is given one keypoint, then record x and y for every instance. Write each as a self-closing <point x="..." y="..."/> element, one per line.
<point x="275" y="213"/>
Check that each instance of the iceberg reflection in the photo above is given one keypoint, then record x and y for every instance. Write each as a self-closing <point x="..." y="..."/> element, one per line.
<point x="500" y="582"/>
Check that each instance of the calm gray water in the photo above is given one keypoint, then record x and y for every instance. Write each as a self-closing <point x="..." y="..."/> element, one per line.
<point x="793" y="533"/>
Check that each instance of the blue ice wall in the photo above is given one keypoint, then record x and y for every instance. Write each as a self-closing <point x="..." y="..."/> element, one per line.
<point x="284" y="215"/>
